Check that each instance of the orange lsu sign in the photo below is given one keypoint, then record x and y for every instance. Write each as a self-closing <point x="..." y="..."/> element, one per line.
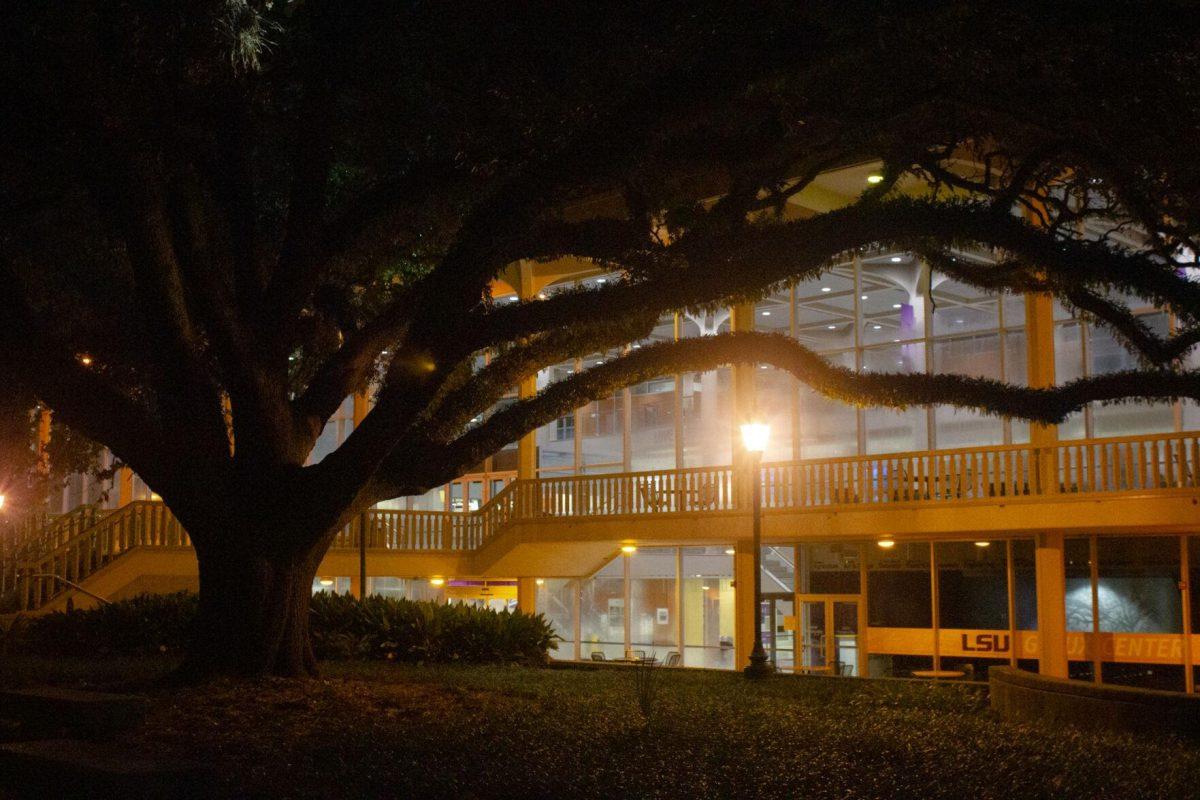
<point x="1138" y="648"/>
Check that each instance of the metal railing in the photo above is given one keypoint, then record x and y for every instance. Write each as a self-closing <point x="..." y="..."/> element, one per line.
<point x="76" y="545"/>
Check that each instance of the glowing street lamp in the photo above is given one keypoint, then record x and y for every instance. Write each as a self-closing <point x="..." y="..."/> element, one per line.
<point x="754" y="440"/>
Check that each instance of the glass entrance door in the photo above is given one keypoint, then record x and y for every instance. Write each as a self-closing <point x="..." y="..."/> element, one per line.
<point x="827" y="629"/>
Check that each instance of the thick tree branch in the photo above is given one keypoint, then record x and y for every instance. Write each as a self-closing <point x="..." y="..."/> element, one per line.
<point x="893" y="390"/>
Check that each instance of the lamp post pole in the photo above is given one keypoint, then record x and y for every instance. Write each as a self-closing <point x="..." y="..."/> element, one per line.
<point x="759" y="666"/>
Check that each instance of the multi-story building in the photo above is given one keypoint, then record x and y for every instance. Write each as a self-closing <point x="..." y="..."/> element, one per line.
<point x="928" y="541"/>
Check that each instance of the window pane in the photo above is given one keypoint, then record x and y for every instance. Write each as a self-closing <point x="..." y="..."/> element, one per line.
<point x="556" y="440"/>
<point x="979" y="357"/>
<point x="1126" y="419"/>
<point x="602" y="611"/>
<point x="827" y="428"/>
<point x="708" y="609"/>
<point x="828" y="569"/>
<point x="899" y="589"/>
<point x="1068" y="366"/>
<point x="958" y="308"/>
<point x="895" y="306"/>
<point x="1138" y="593"/>
<point x="653" y="621"/>
<point x="891" y="431"/>
<point x="600" y="424"/>
<point x="825" y="310"/>
<point x="556" y="602"/>
<point x="972" y="585"/>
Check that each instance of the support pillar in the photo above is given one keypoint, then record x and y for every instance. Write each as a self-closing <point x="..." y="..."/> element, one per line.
<point x="1039" y="368"/>
<point x="527" y="595"/>
<point x="527" y="289"/>
<point x="745" y="616"/>
<point x="1050" y="570"/>
<point x="124" y="481"/>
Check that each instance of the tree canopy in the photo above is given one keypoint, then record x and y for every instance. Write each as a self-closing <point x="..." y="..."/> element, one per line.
<point x="221" y="218"/>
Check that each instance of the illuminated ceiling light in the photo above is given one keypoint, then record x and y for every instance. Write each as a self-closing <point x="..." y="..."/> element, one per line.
<point x="628" y="549"/>
<point x="831" y="327"/>
<point x="983" y="544"/>
<point x="730" y="551"/>
<point x="601" y="280"/>
<point x="886" y="544"/>
<point x="85" y="359"/>
<point x="958" y="322"/>
<point x="864" y="297"/>
<point x="541" y="295"/>
<point x="896" y="259"/>
<point x="540" y="581"/>
<point x="327" y="581"/>
<point x="766" y="313"/>
<point x="1" y="501"/>
<point x="637" y="347"/>
<point x="765" y="366"/>
<point x="704" y="588"/>
<point x="697" y="575"/>
<point x="896" y="305"/>
<point x="895" y="340"/>
<point x="876" y="327"/>
<point x="826" y="289"/>
<point x="874" y="179"/>
<point x="437" y="581"/>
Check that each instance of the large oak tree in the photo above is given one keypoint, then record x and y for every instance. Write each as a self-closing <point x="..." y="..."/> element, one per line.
<point x="241" y="212"/>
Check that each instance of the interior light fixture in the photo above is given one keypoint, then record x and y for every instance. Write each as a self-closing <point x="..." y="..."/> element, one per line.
<point x="540" y="581"/>
<point x="704" y="587"/>
<point x="826" y="289"/>
<point x="831" y="327"/>
<point x="886" y="544"/>
<point x="327" y="581"/>
<point x="896" y="305"/>
<point x="876" y="327"/>
<point x="628" y="549"/>
<point x="601" y="280"/>
<point x="766" y="313"/>
<point x="983" y="544"/>
<point x="85" y="359"/>
<point x="874" y="179"/>
<point x="730" y="551"/>
<point x="437" y="581"/>
<point x="896" y="259"/>
<point x="864" y="297"/>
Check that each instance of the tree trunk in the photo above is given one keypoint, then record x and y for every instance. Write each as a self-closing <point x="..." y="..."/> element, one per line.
<point x="254" y="610"/>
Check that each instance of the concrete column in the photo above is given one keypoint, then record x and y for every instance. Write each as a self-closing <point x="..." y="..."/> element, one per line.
<point x="1050" y="570"/>
<point x="124" y="485"/>
<point x="527" y="595"/>
<point x="362" y="405"/>
<point x="527" y="444"/>
<point x="745" y="618"/>
<point x="1039" y="367"/>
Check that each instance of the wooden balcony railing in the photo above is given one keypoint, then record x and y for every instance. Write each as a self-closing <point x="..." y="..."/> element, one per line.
<point x="76" y="545"/>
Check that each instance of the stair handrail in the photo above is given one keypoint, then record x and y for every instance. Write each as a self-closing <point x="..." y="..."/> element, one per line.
<point x="87" y="561"/>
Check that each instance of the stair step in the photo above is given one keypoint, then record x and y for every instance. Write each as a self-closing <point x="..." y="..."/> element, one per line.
<point x="52" y="711"/>
<point x="70" y="768"/>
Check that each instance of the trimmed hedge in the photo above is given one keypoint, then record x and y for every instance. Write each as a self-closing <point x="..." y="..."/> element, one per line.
<point x="342" y="627"/>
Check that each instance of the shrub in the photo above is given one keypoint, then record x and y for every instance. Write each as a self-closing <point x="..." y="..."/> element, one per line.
<point x="342" y="627"/>
<point x="148" y="623"/>
<point x="415" y="632"/>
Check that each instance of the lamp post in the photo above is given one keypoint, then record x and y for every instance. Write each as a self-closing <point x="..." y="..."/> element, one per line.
<point x="754" y="440"/>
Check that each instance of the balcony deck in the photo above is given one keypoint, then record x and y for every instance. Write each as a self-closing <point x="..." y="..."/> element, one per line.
<point x="568" y="526"/>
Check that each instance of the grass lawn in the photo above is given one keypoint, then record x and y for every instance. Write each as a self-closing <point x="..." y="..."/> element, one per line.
<point x="380" y="730"/>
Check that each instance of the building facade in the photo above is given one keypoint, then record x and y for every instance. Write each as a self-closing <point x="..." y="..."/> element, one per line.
<point x="924" y="542"/>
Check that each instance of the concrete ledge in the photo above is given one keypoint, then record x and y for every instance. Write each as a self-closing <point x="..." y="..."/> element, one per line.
<point x="1029" y="697"/>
